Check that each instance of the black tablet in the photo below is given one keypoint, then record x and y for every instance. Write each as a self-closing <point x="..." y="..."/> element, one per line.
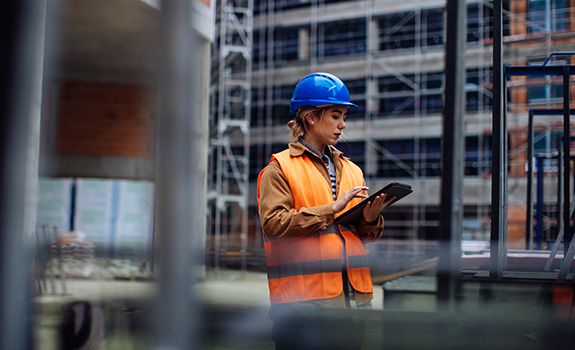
<point x="394" y="189"/>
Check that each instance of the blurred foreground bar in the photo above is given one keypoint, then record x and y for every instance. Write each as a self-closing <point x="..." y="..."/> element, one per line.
<point x="22" y="41"/>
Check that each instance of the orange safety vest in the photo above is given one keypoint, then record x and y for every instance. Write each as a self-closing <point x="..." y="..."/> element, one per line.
<point x="310" y="268"/>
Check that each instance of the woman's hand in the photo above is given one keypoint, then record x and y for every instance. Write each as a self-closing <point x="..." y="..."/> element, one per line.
<point x="372" y="209"/>
<point x="354" y="192"/>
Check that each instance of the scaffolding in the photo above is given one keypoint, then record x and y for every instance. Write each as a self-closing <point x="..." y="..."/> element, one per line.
<point x="391" y="56"/>
<point x="565" y="205"/>
<point x="412" y="33"/>
<point x="229" y="131"/>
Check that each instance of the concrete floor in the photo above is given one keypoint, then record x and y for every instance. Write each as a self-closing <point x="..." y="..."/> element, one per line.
<point x="235" y="305"/>
<point x="231" y="300"/>
<point x="124" y="305"/>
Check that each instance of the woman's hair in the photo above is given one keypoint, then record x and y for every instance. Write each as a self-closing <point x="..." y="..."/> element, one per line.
<point x="298" y="125"/>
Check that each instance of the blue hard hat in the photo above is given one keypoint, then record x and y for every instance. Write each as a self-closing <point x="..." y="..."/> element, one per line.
<point x="320" y="89"/>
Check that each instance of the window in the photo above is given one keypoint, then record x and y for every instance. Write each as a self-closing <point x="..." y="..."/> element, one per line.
<point x="432" y="98"/>
<point x="477" y="157"/>
<point x="278" y="103"/>
<point x="355" y="86"/>
<point x="259" y="49"/>
<point x="548" y="16"/>
<point x="342" y="38"/>
<point x="480" y="21"/>
<point x="474" y="23"/>
<point x="353" y="150"/>
<point x="399" y="94"/>
<point x="430" y="157"/>
<point x="475" y="95"/>
<point x="260" y="155"/>
<point x="356" y="113"/>
<point x="397" y="31"/>
<point x="402" y="160"/>
<point x="285" y="44"/>
<point x="261" y="6"/>
<point x="432" y="27"/>
<point x="550" y="92"/>
<point x="547" y="142"/>
<point x="396" y="106"/>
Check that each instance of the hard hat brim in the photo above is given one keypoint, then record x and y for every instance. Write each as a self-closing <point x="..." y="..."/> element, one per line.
<point x="295" y="104"/>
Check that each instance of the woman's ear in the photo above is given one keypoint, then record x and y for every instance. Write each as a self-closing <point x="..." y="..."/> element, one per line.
<point x="309" y="117"/>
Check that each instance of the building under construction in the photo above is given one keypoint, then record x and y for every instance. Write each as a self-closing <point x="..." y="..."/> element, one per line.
<point x="118" y="230"/>
<point x="392" y="57"/>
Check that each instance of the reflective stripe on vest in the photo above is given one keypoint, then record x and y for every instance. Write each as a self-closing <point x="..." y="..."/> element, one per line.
<point x="310" y="268"/>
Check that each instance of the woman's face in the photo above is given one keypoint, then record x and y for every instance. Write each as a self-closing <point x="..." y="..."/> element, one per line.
<point x="328" y="127"/>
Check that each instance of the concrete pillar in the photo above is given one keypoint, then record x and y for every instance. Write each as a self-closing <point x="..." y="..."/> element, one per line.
<point x="373" y="35"/>
<point x="304" y="44"/>
<point x="372" y="110"/>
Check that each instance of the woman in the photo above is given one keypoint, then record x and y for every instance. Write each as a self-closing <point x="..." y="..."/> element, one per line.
<point x="314" y="264"/>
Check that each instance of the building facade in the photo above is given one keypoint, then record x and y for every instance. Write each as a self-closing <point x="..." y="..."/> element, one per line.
<point x="391" y="56"/>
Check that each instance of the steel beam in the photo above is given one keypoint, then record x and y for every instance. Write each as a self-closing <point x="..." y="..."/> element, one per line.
<point x="570" y="247"/>
<point x="533" y="71"/>
<point x="498" y="242"/>
<point x="452" y="155"/>
<point x="529" y="216"/>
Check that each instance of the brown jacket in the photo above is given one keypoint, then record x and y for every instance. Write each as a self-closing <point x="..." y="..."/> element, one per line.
<point x="280" y="221"/>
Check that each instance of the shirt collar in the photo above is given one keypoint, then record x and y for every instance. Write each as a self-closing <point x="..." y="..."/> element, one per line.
<point x="311" y="148"/>
<point x="298" y="147"/>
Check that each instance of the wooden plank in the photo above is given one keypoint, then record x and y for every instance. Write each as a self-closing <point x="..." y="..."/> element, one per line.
<point x="425" y="265"/>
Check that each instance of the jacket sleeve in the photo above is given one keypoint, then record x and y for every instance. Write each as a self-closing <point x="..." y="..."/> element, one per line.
<point x="280" y="221"/>
<point x="370" y="232"/>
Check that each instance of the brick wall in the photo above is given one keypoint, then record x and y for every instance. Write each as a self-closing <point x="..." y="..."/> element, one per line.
<point x="105" y="119"/>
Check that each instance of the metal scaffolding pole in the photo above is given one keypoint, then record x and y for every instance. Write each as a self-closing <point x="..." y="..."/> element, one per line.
<point x="452" y="155"/>
<point x="230" y="143"/>
<point x="23" y="28"/>
<point x="530" y="154"/>
<point x="181" y="150"/>
<point x="569" y="246"/>
<point x="565" y="71"/>
<point x="499" y="159"/>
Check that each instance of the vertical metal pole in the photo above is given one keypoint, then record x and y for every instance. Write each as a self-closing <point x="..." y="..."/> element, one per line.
<point x="539" y="210"/>
<point x="219" y="206"/>
<point x="452" y="155"/>
<point x="559" y="188"/>
<point x="246" y="132"/>
<point x="529" y="219"/>
<point x="176" y="315"/>
<point x="499" y="162"/>
<point x="569" y="246"/>
<point x="22" y="41"/>
<point x="566" y="160"/>
<point x="314" y="41"/>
